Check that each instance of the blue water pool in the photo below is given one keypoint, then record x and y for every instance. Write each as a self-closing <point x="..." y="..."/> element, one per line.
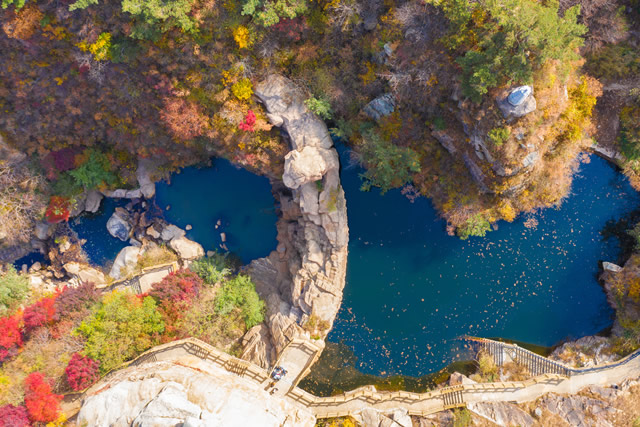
<point x="412" y="289"/>
<point x="240" y="200"/>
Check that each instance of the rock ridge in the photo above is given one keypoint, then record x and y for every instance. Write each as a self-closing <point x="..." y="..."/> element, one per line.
<point x="303" y="279"/>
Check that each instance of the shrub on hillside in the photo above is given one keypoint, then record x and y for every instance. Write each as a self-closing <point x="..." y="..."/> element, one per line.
<point x="14" y="288"/>
<point x="178" y="287"/>
<point x="121" y="328"/>
<point x="211" y="269"/>
<point x="475" y="226"/>
<point x="10" y="337"/>
<point x="75" y="302"/>
<point x="240" y="292"/>
<point x="14" y="416"/>
<point x="81" y="372"/>
<point x="40" y="313"/>
<point x="43" y="406"/>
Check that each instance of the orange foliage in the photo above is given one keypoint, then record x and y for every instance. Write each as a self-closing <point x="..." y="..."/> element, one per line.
<point x="184" y="119"/>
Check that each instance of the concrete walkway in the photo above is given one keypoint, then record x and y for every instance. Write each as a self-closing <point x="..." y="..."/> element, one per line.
<point x="366" y="397"/>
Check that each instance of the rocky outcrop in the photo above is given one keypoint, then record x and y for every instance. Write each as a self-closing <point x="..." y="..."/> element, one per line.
<point x="380" y="107"/>
<point x="305" y="276"/>
<point x="126" y="260"/>
<point x="372" y="418"/>
<point x="92" y="203"/>
<point x="585" y="352"/>
<point x="85" y="273"/>
<point x="186" y="393"/>
<point x="579" y="411"/>
<point x="528" y="105"/>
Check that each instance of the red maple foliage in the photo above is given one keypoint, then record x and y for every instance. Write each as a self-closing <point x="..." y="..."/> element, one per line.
<point x="249" y="122"/>
<point x="43" y="406"/>
<point x="58" y="210"/>
<point x="14" y="416"/>
<point x="10" y="336"/>
<point x="73" y="303"/>
<point x="177" y="287"/>
<point x="291" y="28"/>
<point x="40" y="313"/>
<point x="82" y="371"/>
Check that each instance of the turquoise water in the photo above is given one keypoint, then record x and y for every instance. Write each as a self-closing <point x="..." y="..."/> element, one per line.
<point x="412" y="289"/>
<point x="241" y="201"/>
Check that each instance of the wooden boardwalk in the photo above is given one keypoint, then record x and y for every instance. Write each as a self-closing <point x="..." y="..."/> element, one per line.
<point x="352" y="402"/>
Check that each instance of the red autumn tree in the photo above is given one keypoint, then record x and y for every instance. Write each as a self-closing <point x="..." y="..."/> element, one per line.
<point x="10" y="337"/>
<point x="82" y="372"/>
<point x="58" y="210"/>
<point x="40" y="313"/>
<point x="183" y="119"/>
<point x="249" y="122"/>
<point x="43" y="406"/>
<point x="74" y="303"/>
<point x="14" y="416"/>
<point x="181" y="286"/>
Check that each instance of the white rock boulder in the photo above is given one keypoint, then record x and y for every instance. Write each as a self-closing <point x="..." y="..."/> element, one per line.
<point x="127" y="259"/>
<point x="186" y="249"/>
<point x="171" y="232"/>
<point x="308" y="165"/>
<point x="118" y="226"/>
<point x="85" y="273"/>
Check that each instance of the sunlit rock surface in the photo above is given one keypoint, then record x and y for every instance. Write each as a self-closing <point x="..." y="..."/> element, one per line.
<point x="201" y="394"/>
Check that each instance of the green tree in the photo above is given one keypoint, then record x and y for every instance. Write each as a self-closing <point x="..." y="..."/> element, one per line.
<point x="122" y="327"/>
<point x="94" y="172"/>
<point x="212" y="269"/>
<point x="153" y="16"/>
<point x="18" y="4"/>
<point x="477" y="225"/>
<point x="14" y="288"/>
<point x="270" y="12"/>
<point x="319" y="106"/>
<point x="240" y="292"/>
<point x="388" y="165"/>
<point x="506" y="40"/>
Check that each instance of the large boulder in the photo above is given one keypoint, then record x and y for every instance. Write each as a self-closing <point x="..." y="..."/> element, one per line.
<point x="126" y="260"/>
<point x="308" y="165"/>
<point x="118" y="225"/>
<point x="85" y="273"/>
<point x="186" y="249"/>
<point x="525" y="105"/>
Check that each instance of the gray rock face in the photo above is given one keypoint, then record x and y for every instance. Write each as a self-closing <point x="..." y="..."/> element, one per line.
<point x="92" y="204"/>
<point x="118" y="226"/>
<point x="579" y="411"/>
<point x="527" y="106"/>
<point x="502" y="413"/>
<point x="445" y="140"/>
<point x="127" y="258"/>
<point x="380" y="107"/>
<point x="171" y="232"/>
<point x="531" y="159"/>
<point x="305" y="276"/>
<point x="145" y="168"/>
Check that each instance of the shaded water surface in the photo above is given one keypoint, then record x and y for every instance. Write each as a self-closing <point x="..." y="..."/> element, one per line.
<point x="412" y="289"/>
